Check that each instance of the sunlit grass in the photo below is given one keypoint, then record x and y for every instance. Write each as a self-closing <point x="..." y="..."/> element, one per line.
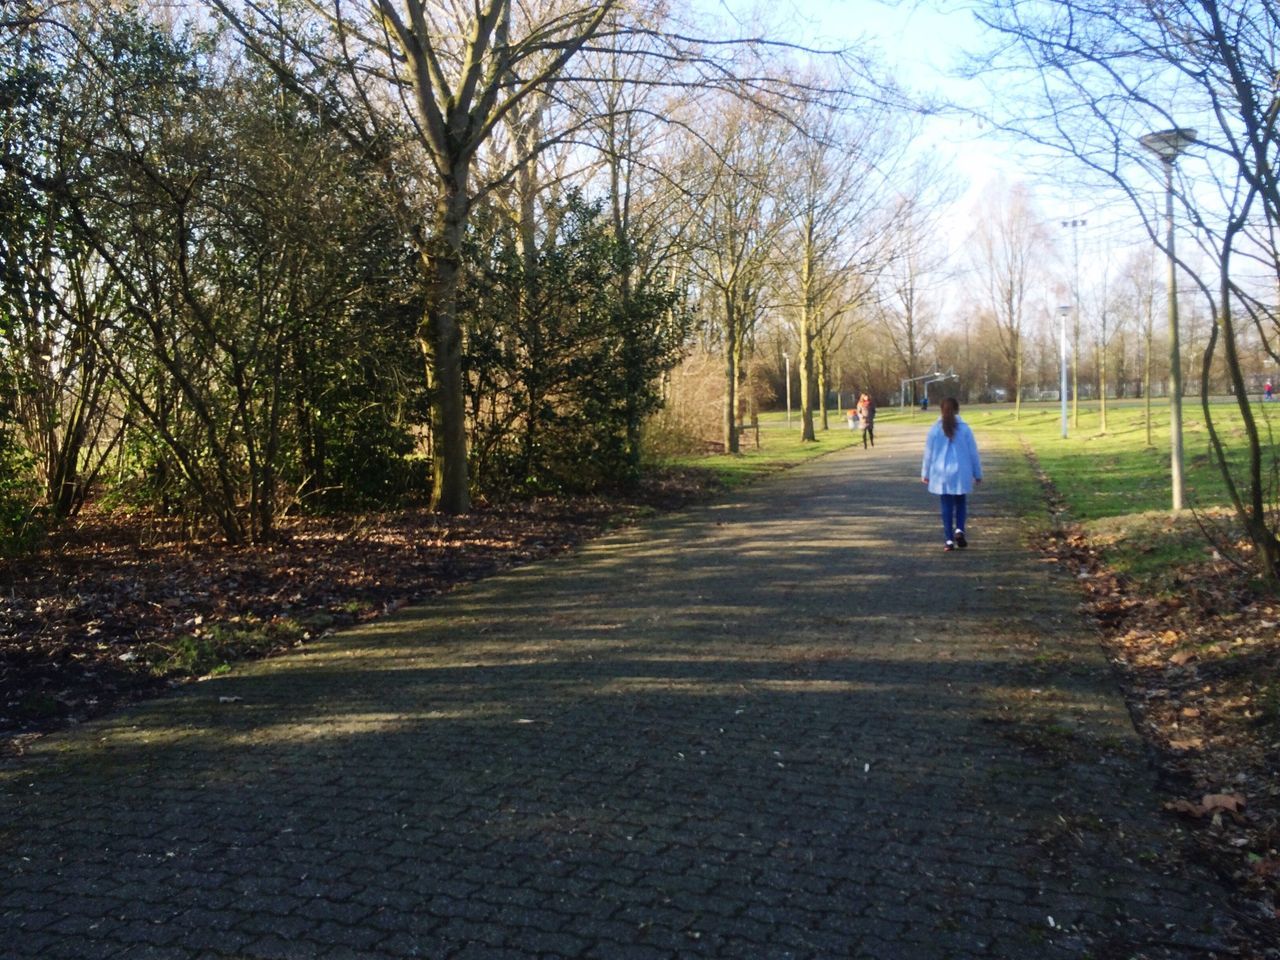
<point x="780" y="447"/>
<point x="1115" y="485"/>
<point x="1116" y="473"/>
<point x="1118" y="488"/>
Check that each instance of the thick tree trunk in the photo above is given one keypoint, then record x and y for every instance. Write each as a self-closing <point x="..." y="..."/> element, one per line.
<point x="821" y="355"/>
<point x="1017" y="378"/>
<point x="440" y="336"/>
<point x="806" y="376"/>
<point x="730" y="422"/>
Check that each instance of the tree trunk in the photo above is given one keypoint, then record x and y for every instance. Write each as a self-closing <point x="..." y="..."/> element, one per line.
<point x="806" y="376"/>
<point x="822" y="385"/>
<point x="441" y="339"/>
<point x="1146" y="378"/>
<point x="1254" y="513"/>
<point x="730" y="422"/>
<point x="1017" y="377"/>
<point x="731" y="335"/>
<point x="1102" y="376"/>
<point x="526" y="305"/>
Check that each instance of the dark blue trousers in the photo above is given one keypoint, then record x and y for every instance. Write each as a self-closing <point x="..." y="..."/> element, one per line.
<point x="953" y="513"/>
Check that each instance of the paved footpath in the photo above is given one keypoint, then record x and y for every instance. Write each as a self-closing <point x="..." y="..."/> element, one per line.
<point x="785" y="726"/>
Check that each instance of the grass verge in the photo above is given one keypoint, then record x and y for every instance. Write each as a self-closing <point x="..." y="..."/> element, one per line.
<point x="780" y="447"/>
<point x="1194" y="636"/>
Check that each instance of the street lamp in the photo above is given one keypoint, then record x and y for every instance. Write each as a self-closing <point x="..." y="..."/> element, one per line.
<point x="1167" y="145"/>
<point x="1062" y="354"/>
<point x="786" y="363"/>
<point x="1075" y="326"/>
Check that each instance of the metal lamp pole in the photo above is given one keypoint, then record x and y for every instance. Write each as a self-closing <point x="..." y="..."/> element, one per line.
<point x="1167" y="145"/>
<point x="1075" y="335"/>
<point x="1062" y="355"/>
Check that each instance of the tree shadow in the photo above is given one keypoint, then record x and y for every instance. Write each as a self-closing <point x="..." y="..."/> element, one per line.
<point x="781" y="722"/>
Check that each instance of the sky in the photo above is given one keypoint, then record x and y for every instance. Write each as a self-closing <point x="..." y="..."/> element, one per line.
<point x="924" y="43"/>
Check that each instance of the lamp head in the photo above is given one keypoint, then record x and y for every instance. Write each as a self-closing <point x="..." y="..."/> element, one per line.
<point x="1168" y="144"/>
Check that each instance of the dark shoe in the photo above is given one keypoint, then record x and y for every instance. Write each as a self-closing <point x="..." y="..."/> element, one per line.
<point x="949" y="546"/>
<point x="960" y="540"/>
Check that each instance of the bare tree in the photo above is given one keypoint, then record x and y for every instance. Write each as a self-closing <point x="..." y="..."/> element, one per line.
<point x="1137" y="295"/>
<point x="731" y="247"/>
<point x="55" y="298"/>
<point x="635" y="128"/>
<point x="908" y="288"/>
<point x="1103" y="307"/>
<point x="1009" y="244"/>
<point x="837" y="229"/>
<point x="1107" y="74"/>
<point x="456" y="72"/>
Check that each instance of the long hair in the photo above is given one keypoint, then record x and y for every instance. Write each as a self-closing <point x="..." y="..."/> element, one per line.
<point x="949" y="407"/>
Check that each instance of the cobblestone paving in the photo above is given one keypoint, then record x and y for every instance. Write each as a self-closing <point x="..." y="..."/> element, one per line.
<point x="787" y="726"/>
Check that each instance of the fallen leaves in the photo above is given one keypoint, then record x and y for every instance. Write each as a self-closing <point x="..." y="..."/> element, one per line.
<point x="1199" y="657"/>
<point x="88" y="621"/>
<point x="1267" y="868"/>
<point x="1212" y="804"/>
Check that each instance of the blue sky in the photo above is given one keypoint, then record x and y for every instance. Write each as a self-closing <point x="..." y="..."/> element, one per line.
<point x="922" y="42"/>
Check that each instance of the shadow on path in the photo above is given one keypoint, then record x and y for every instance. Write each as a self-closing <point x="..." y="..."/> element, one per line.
<point x="786" y="726"/>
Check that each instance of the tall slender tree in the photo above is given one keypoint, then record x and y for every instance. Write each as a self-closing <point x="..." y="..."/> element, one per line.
<point x="1010" y="244"/>
<point x="837" y="228"/>
<point x="1108" y="74"/>
<point x="731" y="245"/>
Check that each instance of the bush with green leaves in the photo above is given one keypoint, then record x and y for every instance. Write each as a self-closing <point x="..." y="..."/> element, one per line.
<point x="564" y="361"/>
<point x="21" y="518"/>
<point x="253" y="296"/>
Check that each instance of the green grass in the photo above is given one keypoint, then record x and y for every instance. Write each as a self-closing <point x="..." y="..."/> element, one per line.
<point x="780" y="447"/>
<point x="1117" y="473"/>
<point x="214" y="648"/>
<point x="1116" y="486"/>
<point x="1113" y="484"/>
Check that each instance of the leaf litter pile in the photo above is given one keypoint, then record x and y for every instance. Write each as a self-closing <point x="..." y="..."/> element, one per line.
<point x="114" y="609"/>
<point x="1200" y="661"/>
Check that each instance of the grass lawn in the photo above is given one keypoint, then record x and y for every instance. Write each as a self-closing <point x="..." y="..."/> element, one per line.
<point x="1112" y="484"/>
<point x="1117" y="473"/>
<point x="780" y="447"/>
<point x="1117" y="488"/>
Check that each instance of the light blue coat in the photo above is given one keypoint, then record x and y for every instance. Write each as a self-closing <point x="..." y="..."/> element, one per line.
<point x="951" y="465"/>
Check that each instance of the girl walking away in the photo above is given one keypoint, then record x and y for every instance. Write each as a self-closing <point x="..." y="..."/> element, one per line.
<point x="867" y="416"/>
<point x="951" y="468"/>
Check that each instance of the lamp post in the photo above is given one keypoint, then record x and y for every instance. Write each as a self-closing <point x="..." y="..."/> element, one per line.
<point x="1062" y="356"/>
<point x="1167" y="145"/>
<point x="1075" y="327"/>
<point x="786" y="363"/>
